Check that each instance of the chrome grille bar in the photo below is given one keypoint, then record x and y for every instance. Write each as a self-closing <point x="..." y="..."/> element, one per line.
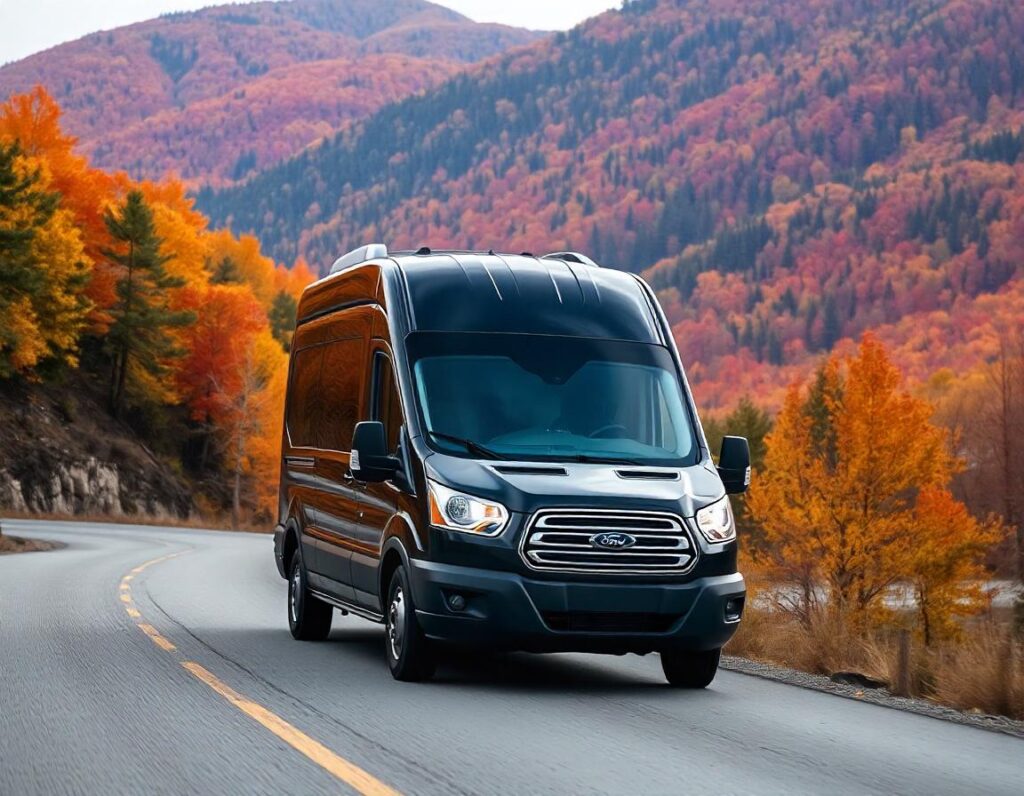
<point x="559" y="540"/>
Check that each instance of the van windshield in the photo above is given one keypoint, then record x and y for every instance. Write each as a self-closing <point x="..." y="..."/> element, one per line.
<point x="538" y="397"/>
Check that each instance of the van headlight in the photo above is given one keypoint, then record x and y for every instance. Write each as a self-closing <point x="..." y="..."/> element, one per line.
<point x="457" y="511"/>
<point x="716" y="521"/>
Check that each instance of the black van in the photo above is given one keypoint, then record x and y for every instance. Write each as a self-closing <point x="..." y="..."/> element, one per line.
<point x="502" y="450"/>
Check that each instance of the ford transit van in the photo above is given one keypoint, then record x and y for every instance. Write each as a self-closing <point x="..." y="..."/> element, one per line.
<point x="502" y="451"/>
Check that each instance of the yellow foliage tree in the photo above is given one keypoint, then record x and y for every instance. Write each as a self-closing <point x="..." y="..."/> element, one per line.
<point x="853" y="485"/>
<point x="43" y="269"/>
<point x="264" y="451"/>
<point x="61" y="307"/>
<point x="240" y="260"/>
<point x="182" y="230"/>
<point x="253" y="427"/>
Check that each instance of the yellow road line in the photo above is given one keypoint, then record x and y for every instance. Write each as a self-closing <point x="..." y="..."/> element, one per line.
<point x="154" y="634"/>
<point x="347" y="772"/>
<point x="125" y="594"/>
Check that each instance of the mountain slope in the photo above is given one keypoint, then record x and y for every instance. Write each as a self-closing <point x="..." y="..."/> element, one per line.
<point x="137" y="89"/>
<point x="798" y="173"/>
<point x="273" y="116"/>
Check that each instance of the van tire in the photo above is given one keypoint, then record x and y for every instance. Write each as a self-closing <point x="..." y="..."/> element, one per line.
<point x="309" y="618"/>
<point x="409" y="652"/>
<point x="690" y="669"/>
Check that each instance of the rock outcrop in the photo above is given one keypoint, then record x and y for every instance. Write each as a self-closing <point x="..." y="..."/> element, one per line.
<point x="86" y="487"/>
<point x="61" y="453"/>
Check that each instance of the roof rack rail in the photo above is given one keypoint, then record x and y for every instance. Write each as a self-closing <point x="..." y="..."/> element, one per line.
<point x="372" y="251"/>
<point x="571" y="257"/>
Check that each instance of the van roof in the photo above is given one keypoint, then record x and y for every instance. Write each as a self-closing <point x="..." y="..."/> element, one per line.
<point x="488" y="292"/>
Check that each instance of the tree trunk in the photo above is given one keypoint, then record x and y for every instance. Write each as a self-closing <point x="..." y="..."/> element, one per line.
<point x="122" y="372"/>
<point x="902" y="686"/>
<point x="236" y="495"/>
<point x="204" y="450"/>
<point x="121" y="357"/>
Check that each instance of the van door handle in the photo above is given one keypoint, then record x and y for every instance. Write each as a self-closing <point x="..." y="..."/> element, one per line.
<point x="300" y="461"/>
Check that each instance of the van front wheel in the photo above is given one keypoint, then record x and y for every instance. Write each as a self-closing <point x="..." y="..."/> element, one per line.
<point x="309" y="619"/>
<point x="688" y="669"/>
<point x="410" y="653"/>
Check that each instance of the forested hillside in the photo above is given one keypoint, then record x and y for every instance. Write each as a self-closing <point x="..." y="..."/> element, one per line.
<point x="142" y="354"/>
<point x="216" y="93"/>
<point x="792" y="174"/>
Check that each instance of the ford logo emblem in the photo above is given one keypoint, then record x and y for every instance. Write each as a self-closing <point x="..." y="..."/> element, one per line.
<point x="612" y="540"/>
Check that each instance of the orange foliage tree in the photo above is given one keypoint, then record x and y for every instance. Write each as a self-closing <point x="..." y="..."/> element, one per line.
<point x="227" y="320"/>
<point x="854" y="499"/>
<point x="256" y="440"/>
<point x="232" y="381"/>
<point x="33" y="121"/>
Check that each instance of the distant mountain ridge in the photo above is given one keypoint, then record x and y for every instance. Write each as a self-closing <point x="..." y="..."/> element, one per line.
<point x="787" y="174"/>
<point x="164" y="95"/>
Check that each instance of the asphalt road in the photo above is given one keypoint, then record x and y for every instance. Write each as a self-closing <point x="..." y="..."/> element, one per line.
<point x="216" y="697"/>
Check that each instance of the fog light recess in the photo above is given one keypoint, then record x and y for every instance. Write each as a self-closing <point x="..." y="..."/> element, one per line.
<point x="734" y="609"/>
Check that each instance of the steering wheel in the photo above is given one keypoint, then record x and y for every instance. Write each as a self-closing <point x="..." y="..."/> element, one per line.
<point x="601" y="433"/>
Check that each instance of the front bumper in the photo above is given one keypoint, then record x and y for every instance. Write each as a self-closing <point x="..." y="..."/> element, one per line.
<point x="509" y="611"/>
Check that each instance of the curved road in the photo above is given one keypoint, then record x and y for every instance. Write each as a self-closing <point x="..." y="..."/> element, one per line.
<point x="182" y="678"/>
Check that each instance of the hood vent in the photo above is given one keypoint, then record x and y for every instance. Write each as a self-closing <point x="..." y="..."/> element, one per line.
<point x="648" y="475"/>
<point x="516" y="469"/>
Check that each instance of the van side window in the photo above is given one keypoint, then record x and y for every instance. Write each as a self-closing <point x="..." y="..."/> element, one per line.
<point x="387" y="406"/>
<point x="303" y="403"/>
<point x="341" y="381"/>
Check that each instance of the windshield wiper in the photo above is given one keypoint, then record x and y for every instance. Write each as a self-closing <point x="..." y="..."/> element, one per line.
<point x="586" y="458"/>
<point x="468" y="444"/>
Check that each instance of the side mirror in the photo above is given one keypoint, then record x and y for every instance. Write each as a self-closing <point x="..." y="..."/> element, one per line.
<point x="370" y="460"/>
<point x="734" y="465"/>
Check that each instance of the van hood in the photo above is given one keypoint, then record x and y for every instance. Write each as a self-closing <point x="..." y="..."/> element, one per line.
<point x="525" y="486"/>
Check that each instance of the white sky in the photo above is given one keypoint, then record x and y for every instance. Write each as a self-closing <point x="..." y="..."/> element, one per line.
<point x="28" y="26"/>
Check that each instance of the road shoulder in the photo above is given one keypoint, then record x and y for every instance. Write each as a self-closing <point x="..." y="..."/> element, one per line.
<point x="877" y="696"/>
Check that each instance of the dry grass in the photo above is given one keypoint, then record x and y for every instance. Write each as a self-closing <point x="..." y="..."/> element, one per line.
<point x="823" y="646"/>
<point x="984" y="673"/>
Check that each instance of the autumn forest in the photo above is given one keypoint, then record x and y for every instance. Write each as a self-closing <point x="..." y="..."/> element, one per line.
<point x="125" y="281"/>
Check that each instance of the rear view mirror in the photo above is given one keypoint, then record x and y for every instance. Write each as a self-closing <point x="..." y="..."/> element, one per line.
<point x="371" y="460"/>
<point x="734" y="465"/>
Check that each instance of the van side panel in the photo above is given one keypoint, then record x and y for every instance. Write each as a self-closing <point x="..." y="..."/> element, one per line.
<point x="298" y="468"/>
<point x="340" y="398"/>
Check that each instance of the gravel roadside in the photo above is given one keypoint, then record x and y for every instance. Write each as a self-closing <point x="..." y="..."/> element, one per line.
<point x="876" y="696"/>
<point x="16" y="544"/>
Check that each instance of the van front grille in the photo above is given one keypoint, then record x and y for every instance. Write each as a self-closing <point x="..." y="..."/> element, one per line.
<point x="607" y="541"/>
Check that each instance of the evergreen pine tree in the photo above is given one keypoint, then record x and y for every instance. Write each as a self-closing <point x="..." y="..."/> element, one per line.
<point x="138" y="336"/>
<point x="226" y="272"/>
<point x="283" y="314"/>
<point x="832" y="328"/>
<point x="24" y="210"/>
<point x="750" y="421"/>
